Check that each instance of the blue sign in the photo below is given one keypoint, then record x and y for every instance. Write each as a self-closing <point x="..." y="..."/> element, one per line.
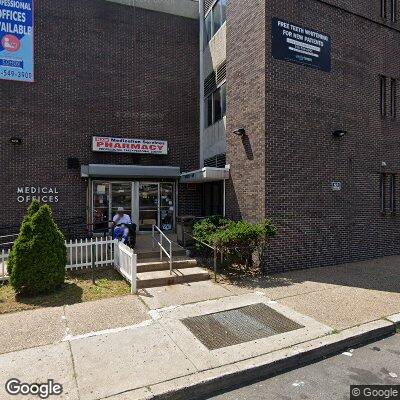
<point x="305" y="46"/>
<point x="16" y="40"/>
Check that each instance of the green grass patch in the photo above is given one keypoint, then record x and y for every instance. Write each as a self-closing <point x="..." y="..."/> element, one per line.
<point x="78" y="288"/>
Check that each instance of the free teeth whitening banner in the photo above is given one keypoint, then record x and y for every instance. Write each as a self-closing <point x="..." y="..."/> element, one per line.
<point x="16" y="40"/>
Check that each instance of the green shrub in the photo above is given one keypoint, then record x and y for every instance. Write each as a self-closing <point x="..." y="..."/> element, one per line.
<point x="239" y="240"/>
<point x="38" y="256"/>
<point x="204" y="229"/>
<point x="25" y="234"/>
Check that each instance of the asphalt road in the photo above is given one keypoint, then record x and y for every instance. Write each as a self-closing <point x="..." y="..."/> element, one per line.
<point x="377" y="363"/>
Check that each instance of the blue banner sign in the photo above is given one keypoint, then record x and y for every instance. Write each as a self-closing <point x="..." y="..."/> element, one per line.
<point x="16" y="40"/>
<point x="305" y="46"/>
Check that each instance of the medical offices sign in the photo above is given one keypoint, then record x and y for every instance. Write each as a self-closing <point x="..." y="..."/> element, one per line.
<point x="16" y="40"/>
<point x="133" y="146"/>
<point x="301" y="45"/>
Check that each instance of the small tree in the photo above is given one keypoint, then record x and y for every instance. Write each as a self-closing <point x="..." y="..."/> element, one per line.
<point x="25" y="234"/>
<point x="38" y="257"/>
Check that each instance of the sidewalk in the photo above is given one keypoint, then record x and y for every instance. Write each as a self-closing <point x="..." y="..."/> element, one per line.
<point x="137" y="347"/>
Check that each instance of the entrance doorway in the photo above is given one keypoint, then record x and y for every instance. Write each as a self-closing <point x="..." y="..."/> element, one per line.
<point x="147" y="203"/>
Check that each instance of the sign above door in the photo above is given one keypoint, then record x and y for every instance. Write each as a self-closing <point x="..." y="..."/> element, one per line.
<point x="132" y="146"/>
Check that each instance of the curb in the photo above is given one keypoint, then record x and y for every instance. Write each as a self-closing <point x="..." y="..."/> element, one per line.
<point x="395" y="319"/>
<point x="204" y="383"/>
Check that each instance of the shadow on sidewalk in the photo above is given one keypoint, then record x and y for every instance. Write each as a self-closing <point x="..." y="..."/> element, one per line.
<point x="379" y="274"/>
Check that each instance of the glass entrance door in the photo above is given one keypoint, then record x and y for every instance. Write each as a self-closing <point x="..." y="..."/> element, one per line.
<point x="167" y="206"/>
<point x="148" y="205"/>
<point x="121" y="193"/>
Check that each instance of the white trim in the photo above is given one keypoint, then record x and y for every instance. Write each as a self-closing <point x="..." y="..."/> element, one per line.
<point x="206" y="174"/>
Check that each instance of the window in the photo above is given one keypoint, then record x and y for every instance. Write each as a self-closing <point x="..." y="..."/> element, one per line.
<point x="207" y="27"/>
<point x="215" y="19"/>
<point x="215" y="106"/>
<point x="393" y="97"/>
<point x="383" y="9"/>
<point x="394" y="10"/>
<point x="392" y="193"/>
<point x="223" y="100"/>
<point x="223" y="4"/>
<point x="209" y="110"/>
<point x="383" y="96"/>
<point x="383" y="192"/>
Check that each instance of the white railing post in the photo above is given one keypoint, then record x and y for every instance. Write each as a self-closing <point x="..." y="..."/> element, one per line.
<point x="3" y="260"/>
<point x="134" y="274"/>
<point x="161" y="246"/>
<point x="116" y="253"/>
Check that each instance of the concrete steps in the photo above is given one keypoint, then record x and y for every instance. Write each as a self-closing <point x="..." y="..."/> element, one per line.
<point x="153" y="273"/>
<point x="144" y="255"/>
<point x="164" y="278"/>
<point x="152" y="265"/>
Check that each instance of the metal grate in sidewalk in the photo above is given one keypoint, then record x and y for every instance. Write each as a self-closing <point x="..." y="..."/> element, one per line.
<point x="240" y="325"/>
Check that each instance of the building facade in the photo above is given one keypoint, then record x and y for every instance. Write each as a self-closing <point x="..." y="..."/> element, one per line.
<point x="270" y="109"/>
<point x="104" y="70"/>
<point x="333" y="197"/>
<point x="313" y="84"/>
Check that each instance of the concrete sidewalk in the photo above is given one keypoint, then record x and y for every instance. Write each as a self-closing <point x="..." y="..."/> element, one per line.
<point x="136" y="347"/>
<point x="341" y="296"/>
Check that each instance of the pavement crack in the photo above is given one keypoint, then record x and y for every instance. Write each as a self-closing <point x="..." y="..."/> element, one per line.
<point x="74" y="373"/>
<point x="67" y="333"/>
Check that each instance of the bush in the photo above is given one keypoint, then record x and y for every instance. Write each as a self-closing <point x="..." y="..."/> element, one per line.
<point x="239" y="240"/>
<point x="38" y="256"/>
<point x="25" y="234"/>
<point x="204" y="229"/>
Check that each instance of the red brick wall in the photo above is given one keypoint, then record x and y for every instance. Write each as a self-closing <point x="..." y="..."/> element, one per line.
<point x="100" y="68"/>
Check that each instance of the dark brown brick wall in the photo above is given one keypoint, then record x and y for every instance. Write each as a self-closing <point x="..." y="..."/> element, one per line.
<point x="246" y="108"/>
<point x="318" y="226"/>
<point x="100" y="68"/>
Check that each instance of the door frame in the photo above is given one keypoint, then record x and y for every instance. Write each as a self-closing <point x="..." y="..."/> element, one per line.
<point x="138" y="202"/>
<point x="135" y="187"/>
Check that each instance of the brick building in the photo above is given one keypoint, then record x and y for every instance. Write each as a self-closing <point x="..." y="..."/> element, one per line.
<point x="319" y="155"/>
<point x="282" y="109"/>
<point x="104" y="69"/>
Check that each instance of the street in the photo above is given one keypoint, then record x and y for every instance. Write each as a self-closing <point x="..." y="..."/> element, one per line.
<point x="376" y="363"/>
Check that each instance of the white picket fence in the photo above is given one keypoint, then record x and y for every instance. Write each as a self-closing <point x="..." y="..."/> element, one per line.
<point x="3" y="265"/>
<point x="104" y="252"/>
<point x="125" y="261"/>
<point x="80" y="252"/>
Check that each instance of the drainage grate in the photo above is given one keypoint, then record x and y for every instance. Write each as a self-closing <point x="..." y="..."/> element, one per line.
<point x="240" y="325"/>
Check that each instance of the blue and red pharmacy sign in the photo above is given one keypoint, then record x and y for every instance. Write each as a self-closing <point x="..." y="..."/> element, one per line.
<point x="16" y="40"/>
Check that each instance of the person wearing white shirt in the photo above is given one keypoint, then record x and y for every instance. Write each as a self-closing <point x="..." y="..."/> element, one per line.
<point x="120" y="218"/>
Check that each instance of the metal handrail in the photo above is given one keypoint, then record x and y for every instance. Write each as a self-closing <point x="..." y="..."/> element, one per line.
<point x="214" y="249"/>
<point x="155" y="228"/>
